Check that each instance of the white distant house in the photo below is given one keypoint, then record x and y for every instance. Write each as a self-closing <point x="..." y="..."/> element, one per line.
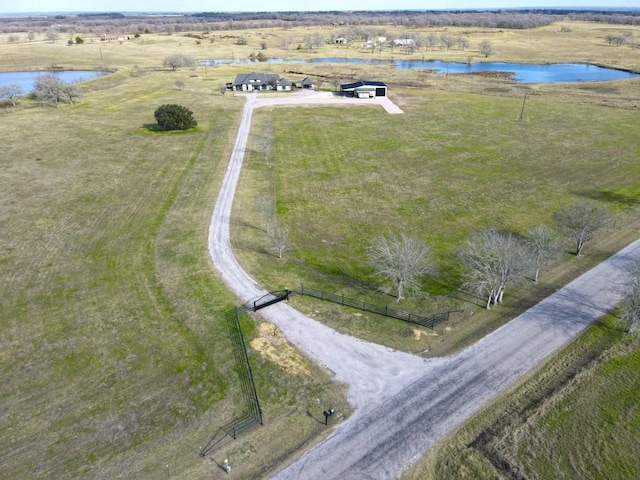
<point x="364" y="89"/>
<point x="404" y="42"/>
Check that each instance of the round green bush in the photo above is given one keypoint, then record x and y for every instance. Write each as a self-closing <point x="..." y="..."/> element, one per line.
<point x="174" y="117"/>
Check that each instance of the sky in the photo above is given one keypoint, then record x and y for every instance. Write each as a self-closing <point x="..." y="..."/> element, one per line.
<point x="31" y="6"/>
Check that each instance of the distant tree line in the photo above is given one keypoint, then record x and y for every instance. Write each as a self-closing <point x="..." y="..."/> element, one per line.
<point x="100" y="23"/>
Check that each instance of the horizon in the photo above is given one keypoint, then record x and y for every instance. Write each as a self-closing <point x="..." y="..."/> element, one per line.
<point x="78" y="7"/>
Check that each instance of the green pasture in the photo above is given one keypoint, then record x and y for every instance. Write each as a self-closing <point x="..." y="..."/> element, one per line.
<point x="114" y="344"/>
<point x="114" y="358"/>
<point x="451" y="164"/>
<point x="576" y="417"/>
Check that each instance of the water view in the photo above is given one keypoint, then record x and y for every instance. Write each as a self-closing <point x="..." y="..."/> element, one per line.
<point x="26" y="80"/>
<point x="521" y="72"/>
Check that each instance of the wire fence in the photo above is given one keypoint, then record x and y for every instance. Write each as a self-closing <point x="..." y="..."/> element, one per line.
<point x="429" y="321"/>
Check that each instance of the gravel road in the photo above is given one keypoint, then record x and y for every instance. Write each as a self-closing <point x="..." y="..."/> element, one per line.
<point x="405" y="403"/>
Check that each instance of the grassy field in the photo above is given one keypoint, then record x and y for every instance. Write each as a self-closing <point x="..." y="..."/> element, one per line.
<point x="452" y="163"/>
<point x="576" y="417"/>
<point x="114" y="358"/>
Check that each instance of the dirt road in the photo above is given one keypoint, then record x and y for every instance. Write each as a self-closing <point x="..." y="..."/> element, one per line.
<point x="404" y="403"/>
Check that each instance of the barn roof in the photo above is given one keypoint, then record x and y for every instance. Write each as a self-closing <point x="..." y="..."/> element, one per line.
<point x="362" y="83"/>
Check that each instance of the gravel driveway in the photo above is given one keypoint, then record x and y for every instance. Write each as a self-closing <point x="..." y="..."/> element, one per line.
<point x="405" y="403"/>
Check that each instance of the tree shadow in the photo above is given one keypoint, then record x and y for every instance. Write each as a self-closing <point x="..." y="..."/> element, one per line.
<point x="152" y="127"/>
<point x="611" y="197"/>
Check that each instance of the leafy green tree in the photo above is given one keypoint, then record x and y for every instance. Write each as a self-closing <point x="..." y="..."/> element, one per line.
<point x="174" y="117"/>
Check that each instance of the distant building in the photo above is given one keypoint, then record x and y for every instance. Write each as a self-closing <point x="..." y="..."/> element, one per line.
<point x="364" y="89"/>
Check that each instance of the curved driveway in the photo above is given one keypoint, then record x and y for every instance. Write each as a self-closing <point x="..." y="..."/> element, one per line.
<point x="404" y="403"/>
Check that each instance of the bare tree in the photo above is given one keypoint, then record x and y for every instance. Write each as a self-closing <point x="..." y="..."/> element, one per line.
<point x="180" y="85"/>
<point x="11" y="92"/>
<point x="486" y="48"/>
<point x="178" y="60"/>
<point x="432" y="41"/>
<point x="463" y="43"/>
<point x="52" y="34"/>
<point x="493" y="260"/>
<point x="448" y="41"/>
<point x="31" y="35"/>
<point x="267" y="207"/>
<point x="50" y="90"/>
<point x="70" y="92"/>
<point x="581" y="221"/>
<point x="400" y="261"/>
<point x="313" y="40"/>
<point x="279" y="235"/>
<point x="543" y="247"/>
<point x="630" y="304"/>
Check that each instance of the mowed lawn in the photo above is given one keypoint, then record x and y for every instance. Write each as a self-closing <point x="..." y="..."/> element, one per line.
<point x="451" y="164"/>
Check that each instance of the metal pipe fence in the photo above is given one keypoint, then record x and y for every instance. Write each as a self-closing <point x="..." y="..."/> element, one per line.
<point x="252" y="414"/>
<point x="426" y="321"/>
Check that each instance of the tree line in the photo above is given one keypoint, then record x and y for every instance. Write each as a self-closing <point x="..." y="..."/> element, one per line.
<point x="215" y="21"/>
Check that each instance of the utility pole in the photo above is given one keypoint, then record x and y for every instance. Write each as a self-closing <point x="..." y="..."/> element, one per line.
<point x="523" y="102"/>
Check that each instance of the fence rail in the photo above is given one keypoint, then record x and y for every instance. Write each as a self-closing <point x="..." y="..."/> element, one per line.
<point x="252" y="414"/>
<point x="429" y="321"/>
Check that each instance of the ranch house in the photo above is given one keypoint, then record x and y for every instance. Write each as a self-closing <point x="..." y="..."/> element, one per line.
<point x="248" y="82"/>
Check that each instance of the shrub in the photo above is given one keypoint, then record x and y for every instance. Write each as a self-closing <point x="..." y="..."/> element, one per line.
<point x="174" y="117"/>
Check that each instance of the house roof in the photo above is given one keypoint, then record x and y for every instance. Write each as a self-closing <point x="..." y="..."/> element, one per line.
<point x="308" y="81"/>
<point x="253" y="77"/>
<point x="284" y="82"/>
<point x="362" y="83"/>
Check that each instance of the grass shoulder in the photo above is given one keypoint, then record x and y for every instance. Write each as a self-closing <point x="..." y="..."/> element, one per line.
<point x="573" y="417"/>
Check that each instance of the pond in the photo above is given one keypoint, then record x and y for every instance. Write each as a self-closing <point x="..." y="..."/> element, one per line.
<point x="521" y="72"/>
<point x="26" y="80"/>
